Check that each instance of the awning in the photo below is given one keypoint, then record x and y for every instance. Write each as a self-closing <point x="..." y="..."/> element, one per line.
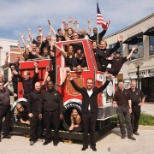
<point x="134" y="39"/>
<point x="149" y="32"/>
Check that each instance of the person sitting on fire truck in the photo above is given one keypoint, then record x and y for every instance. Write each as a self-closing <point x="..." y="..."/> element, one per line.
<point x="31" y="50"/>
<point x="118" y="61"/>
<point x="100" y="35"/>
<point x="39" y="38"/>
<point x="27" y="81"/>
<point x="59" y="35"/>
<point x="97" y="55"/>
<point x="79" y="62"/>
<point x="45" y="53"/>
<point x="69" y="56"/>
<point x="106" y="53"/>
<point x="85" y="34"/>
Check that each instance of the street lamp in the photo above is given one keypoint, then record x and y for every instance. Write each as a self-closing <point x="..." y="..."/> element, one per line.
<point x="138" y="65"/>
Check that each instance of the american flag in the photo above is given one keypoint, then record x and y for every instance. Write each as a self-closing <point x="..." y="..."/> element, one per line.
<point x="100" y="19"/>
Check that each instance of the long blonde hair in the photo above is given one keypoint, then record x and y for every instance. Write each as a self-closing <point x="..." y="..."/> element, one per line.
<point x="17" y="111"/>
<point x="68" y="53"/>
<point x="78" y="118"/>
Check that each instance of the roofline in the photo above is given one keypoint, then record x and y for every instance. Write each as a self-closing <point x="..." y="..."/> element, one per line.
<point x="126" y="28"/>
<point x="9" y="40"/>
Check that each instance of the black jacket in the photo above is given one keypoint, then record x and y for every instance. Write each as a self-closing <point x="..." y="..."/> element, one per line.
<point x="100" y="36"/>
<point x="33" y="101"/>
<point x="92" y="100"/>
<point x="50" y="101"/>
<point x="105" y="53"/>
<point x="28" y="85"/>
<point x="5" y="97"/>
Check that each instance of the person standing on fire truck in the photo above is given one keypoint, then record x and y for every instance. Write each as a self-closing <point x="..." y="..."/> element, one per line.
<point x="27" y="81"/>
<point x="89" y="109"/>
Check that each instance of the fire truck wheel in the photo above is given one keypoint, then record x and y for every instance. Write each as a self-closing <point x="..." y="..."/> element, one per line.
<point x="67" y="118"/>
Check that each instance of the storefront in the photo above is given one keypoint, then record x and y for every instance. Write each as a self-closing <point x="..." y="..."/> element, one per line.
<point x="147" y="82"/>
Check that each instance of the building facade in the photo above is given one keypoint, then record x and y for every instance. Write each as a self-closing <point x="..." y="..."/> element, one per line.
<point x="8" y="46"/>
<point x="141" y="65"/>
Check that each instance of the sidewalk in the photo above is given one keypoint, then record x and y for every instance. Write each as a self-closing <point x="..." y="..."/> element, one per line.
<point x="111" y="143"/>
<point x="148" y="108"/>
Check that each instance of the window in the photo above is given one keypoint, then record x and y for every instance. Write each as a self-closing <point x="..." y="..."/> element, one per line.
<point x="150" y="33"/>
<point x="80" y="58"/>
<point x="6" y="71"/>
<point x="136" y="40"/>
<point x="138" y="53"/>
<point x="120" y="48"/>
<point x="151" y="44"/>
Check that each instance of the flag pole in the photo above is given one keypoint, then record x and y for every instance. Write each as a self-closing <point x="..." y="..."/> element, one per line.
<point x="96" y="23"/>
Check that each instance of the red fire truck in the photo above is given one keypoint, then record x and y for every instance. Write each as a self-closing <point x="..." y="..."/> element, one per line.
<point x="71" y="98"/>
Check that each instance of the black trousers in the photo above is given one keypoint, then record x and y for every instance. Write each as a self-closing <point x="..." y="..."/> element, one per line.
<point x="35" y="127"/>
<point x="113" y="71"/>
<point x="123" y="114"/>
<point x="15" y="88"/>
<point x="52" y="119"/>
<point x="5" y="112"/>
<point x="89" y="123"/>
<point x="135" y="117"/>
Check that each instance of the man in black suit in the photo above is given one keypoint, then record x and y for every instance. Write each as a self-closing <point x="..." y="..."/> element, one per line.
<point x="89" y="109"/>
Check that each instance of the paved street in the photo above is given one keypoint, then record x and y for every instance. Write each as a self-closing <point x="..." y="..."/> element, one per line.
<point x="111" y="143"/>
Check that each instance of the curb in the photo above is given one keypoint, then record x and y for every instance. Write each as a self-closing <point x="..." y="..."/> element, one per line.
<point x="142" y="127"/>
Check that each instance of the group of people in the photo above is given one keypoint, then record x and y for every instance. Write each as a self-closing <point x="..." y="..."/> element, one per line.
<point x="47" y="106"/>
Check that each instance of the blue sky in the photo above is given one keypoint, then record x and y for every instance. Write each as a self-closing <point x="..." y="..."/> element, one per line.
<point x="16" y="15"/>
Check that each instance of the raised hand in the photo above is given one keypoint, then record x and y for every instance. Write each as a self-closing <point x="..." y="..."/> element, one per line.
<point x="18" y="43"/>
<point x="70" y="19"/>
<point x="134" y="48"/>
<point x="89" y="21"/>
<point x="49" y="22"/>
<point x="28" y="39"/>
<point x="40" y="28"/>
<point x="35" y="64"/>
<point x="28" y="28"/>
<point x="120" y="38"/>
<point x="75" y="21"/>
<point x="22" y="36"/>
<point x="7" y="55"/>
